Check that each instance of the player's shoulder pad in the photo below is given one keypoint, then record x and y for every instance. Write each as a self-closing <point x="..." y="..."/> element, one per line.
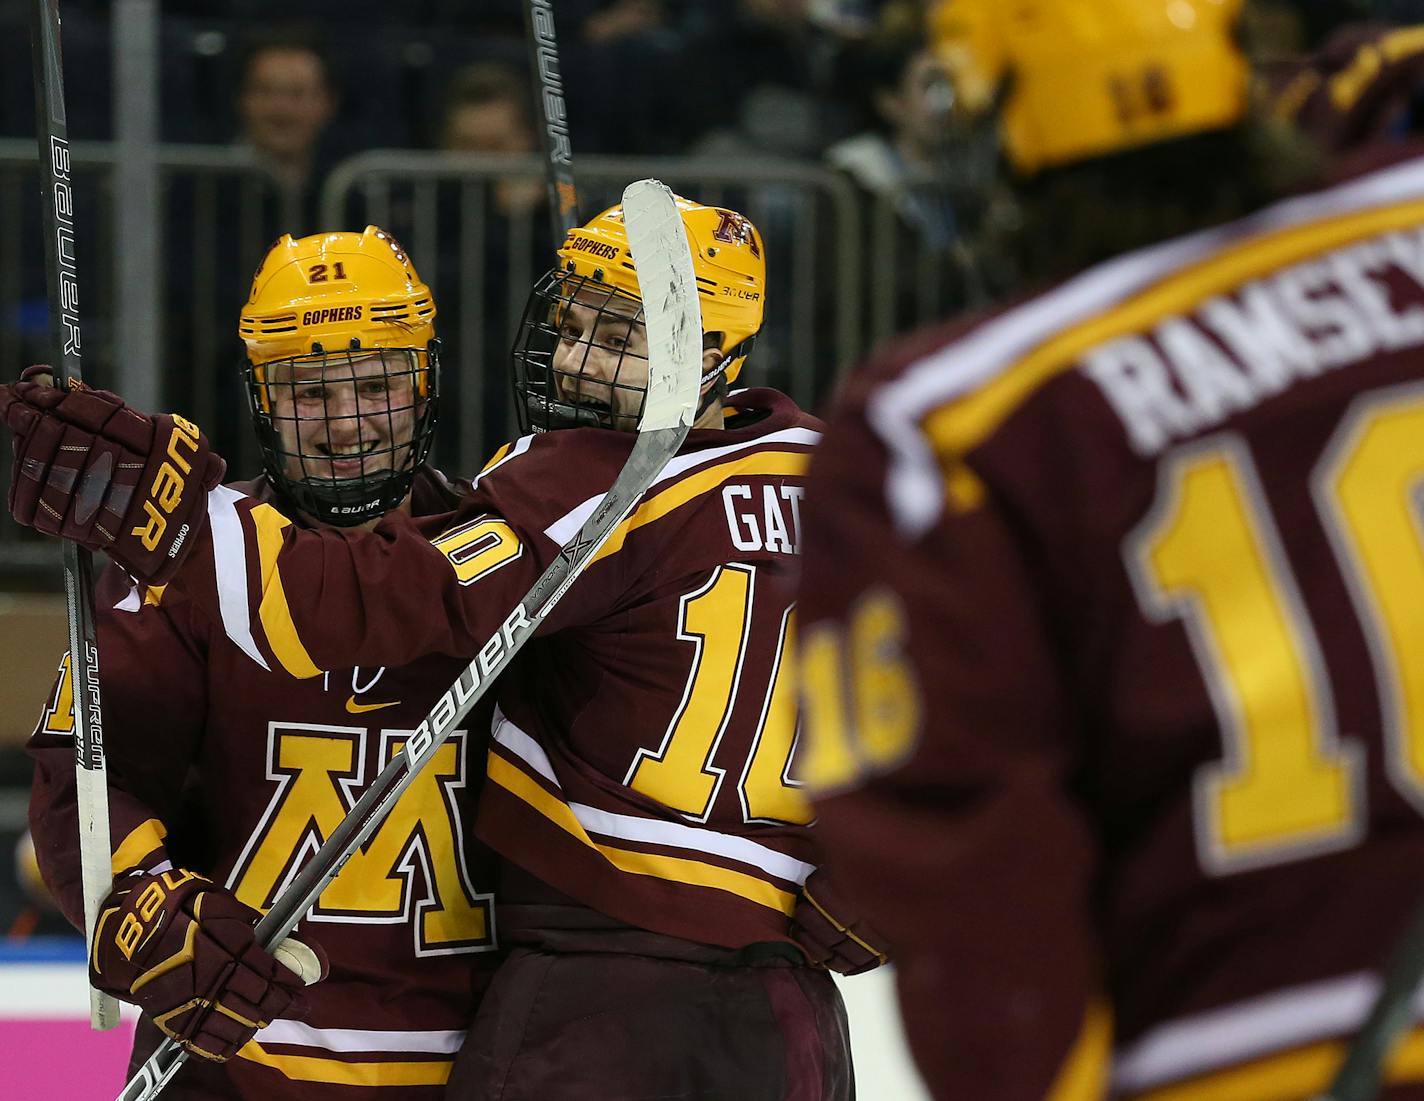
<point x="539" y="477"/>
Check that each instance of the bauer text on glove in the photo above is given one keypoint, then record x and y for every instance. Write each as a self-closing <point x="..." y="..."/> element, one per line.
<point x="184" y="951"/>
<point x="90" y="469"/>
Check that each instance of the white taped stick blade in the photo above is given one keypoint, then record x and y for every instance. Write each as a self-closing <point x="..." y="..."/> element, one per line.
<point x="658" y="242"/>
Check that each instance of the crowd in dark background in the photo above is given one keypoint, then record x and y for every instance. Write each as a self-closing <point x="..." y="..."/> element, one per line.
<point x="302" y="87"/>
<point x="728" y="77"/>
<point x="724" y="78"/>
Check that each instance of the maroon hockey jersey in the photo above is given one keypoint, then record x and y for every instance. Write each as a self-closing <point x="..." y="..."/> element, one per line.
<point x="1114" y="660"/>
<point x="221" y="766"/>
<point x="641" y="754"/>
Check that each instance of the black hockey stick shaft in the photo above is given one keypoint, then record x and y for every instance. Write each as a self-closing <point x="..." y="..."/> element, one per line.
<point x="52" y="130"/>
<point x="674" y="374"/>
<point x="553" y="117"/>
<point x="1359" y="1075"/>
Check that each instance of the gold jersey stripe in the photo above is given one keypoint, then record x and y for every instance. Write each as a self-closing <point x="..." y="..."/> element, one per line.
<point x="673" y="868"/>
<point x="958" y="426"/>
<point x="791" y="463"/>
<point x="142" y="840"/>
<point x="311" y="1068"/>
<point x="1304" y="1072"/>
<point x="496" y="458"/>
<point x="274" y="611"/>
<point x="1084" y="1073"/>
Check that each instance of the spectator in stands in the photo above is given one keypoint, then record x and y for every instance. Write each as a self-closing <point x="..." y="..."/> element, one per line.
<point x="905" y="146"/>
<point x="286" y="101"/>
<point x="925" y="192"/>
<point x="488" y="109"/>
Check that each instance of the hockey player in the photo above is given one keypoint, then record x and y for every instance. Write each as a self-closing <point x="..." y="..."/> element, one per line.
<point x="1113" y="641"/>
<point x="234" y="772"/>
<point x="640" y="783"/>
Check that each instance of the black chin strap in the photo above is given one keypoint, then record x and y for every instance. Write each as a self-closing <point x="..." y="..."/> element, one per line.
<point x="719" y="391"/>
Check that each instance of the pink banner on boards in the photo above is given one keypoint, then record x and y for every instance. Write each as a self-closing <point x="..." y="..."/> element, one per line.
<point x="62" y="1059"/>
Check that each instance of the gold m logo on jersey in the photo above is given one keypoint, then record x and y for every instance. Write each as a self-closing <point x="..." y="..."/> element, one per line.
<point x="412" y="870"/>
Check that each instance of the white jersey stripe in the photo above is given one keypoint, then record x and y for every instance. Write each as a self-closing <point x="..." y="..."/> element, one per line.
<point x="653" y="831"/>
<point x="913" y="484"/>
<point x="563" y="529"/>
<point x="230" y="565"/>
<point x="446" y="1042"/>
<point x="521" y="445"/>
<point x="1234" y="1034"/>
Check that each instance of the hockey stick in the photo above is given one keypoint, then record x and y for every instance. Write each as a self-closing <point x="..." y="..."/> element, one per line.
<point x="673" y="318"/>
<point x="1393" y="1009"/>
<point x="553" y="117"/>
<point x="90" y="775"/>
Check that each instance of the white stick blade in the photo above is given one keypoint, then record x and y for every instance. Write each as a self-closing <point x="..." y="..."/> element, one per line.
<point x="658" y="242"/>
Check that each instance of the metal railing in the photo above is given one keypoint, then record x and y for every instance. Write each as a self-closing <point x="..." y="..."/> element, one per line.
<point x="842" y="275"/>
<point x="480" y="244"/>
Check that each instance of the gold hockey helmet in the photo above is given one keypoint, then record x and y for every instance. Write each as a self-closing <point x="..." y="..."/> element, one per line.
<point x="335" y="292"/>
<point x="578" y="358"/>
<point x="342" y="372"/>
<point x="1085" y="78"/>
<point x="727" y="258"/>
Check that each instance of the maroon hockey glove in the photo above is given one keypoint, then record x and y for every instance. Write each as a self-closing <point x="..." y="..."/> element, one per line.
<point x="90" y="469"/>
<point x="183" y="950"/>
<point x="825" y="928"/>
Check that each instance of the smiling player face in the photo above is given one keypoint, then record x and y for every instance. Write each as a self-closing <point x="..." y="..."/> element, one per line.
<point x="601" y="362"/>
<point x="341" y="418"/>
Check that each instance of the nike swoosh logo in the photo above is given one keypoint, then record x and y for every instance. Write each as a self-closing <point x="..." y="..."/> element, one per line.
<point x="361" y="708"/>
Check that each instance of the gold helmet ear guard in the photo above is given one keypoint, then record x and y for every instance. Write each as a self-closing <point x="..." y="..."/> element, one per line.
<point x="342" y="372"/>
<point x="1086" y="78"/>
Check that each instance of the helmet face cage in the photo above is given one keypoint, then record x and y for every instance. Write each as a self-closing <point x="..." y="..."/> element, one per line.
<point x="343" y="433"/>
<point x="580" y="357"/>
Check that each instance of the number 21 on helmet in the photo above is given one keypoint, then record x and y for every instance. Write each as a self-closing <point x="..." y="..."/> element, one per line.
<point x="342" y="372"/>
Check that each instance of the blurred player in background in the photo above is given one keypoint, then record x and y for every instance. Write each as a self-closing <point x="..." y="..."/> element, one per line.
<point x="1366" y="83"/>
<point x="660" y="885"/>
<point x="1114" y="598"/>
<point x="222" y="767"/>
